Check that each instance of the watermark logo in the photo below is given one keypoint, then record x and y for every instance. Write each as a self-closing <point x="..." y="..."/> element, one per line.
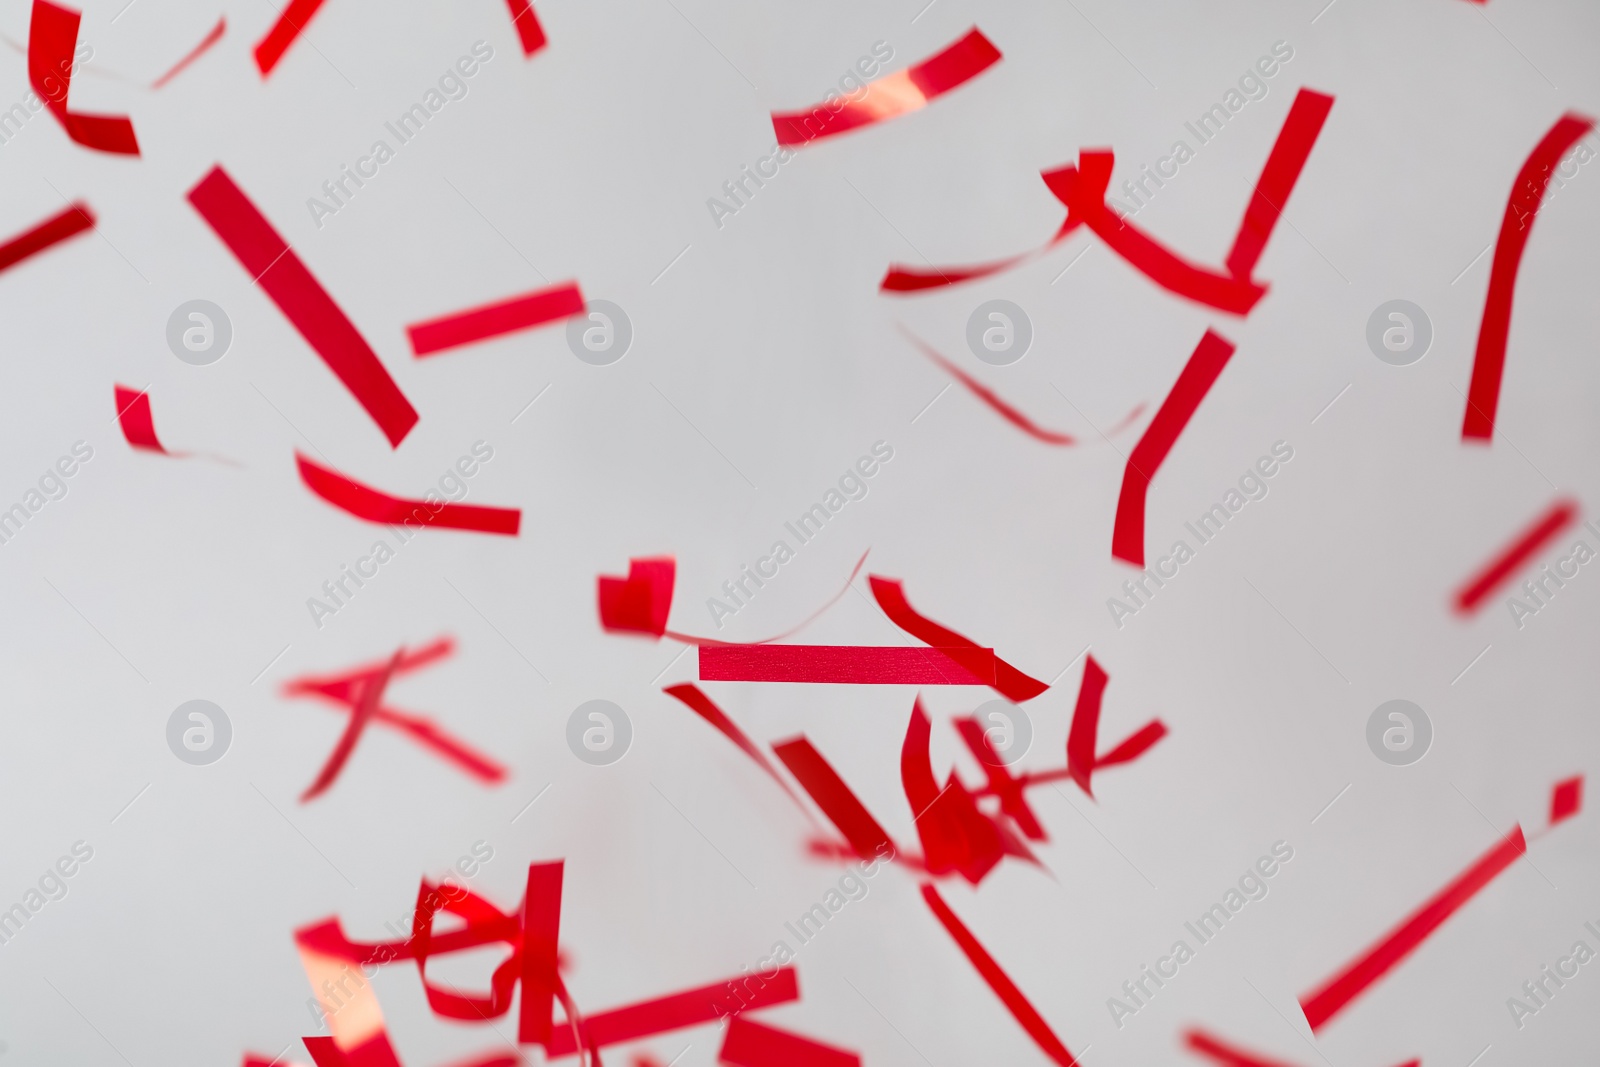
<point x="1007" y="728"/>
<point x="1399" y="732"/>
<point x="1399" y="333"/>
<point x="599" y="732"/>
<point x="999" y="332"/>
<point x="199" y="332"/>
<point x="601" y="335"/>
<point x="198" y="732"/>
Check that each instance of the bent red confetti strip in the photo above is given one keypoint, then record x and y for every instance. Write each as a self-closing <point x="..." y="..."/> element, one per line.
<point x="52" y="39"/>
<point x="1508" y="560"/>
<point x="367" y="503"/>
<point x="892" y="95"/>
<point x="752" y="1044"/>
<point x="891" y="597"/>
<point x="133" y="415"/>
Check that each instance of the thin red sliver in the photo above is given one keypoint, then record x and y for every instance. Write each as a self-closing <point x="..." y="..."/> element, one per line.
<point x="53" y="230"/>
<point x="674" y="1012"/>
<point x="1279" y="176"/>
<point x="195" y="53"/>
<point x="1504" y="564"/>
<point x="993" y="399"/>
<point x="834" y="797"/>
<point x="752" y="1044"/>
<point x="891" y="597"/>
<point x="289" y="26"/>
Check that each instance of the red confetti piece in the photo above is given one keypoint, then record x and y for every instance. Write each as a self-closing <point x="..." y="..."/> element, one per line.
<point x="1227" y="1055"/>
<point x="495" y="320"/>
<point x="704" y="707"/>
<point x="133" y="415"/>
<point x="997" y="979"/>
<point x="834" y="797"/>
<point x="1081" y="739"/>
<point x="847" y="664"/>
<point x="751" y="1044"/>
<point x="893" y="95"/>
<point x="303" y="301"/>
<point x="1198" y="376"/>
<point x="955" y="835"/>
<point x="1010" y="790"/>
<point x="52" y="39"/>
<point x="57" y="228"/>
<point x="195" y="53"/>
<point x="1008" y="681"/>
<point x="371" y="693"/>
<point x="528" y="29"/>
<point x="367" y="503"/>
<point x="1545" y="528"/>
<point x="289" y="26"/>
<point x="1565" y="799"/>
<point x="541" y="933"/>
<point x="990" y="397"/>
<point x="374" y="1052"/>
<point x="1327" y="1001"/>
<point x="1527" y="196"/>
<point x="1288" y="157"/>
<point x="677" y="1011"/>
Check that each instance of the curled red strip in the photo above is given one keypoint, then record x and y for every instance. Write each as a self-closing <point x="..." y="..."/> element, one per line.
<point x="496" y="319"/>
<point x="194" y="53"/>
<point x="893" y="95"/>
<point x="1328" y="1000"/>
<point x="847" y="664"/>
<point x="133" y="415"/>
<point x="891" y="597"/>
<point x="1195" y="381"/>
<point x="1539" y="533"/>
<point x="529" y="32"/>
<point x="303" y="301"/>
<point x="1527" y="196"/>
<point x="52" y="39"/>
<point x="752" y="1044"/>
<point x="289" y="26"/>
<point x="367" y="503"/>
<point x="53" y="230"/>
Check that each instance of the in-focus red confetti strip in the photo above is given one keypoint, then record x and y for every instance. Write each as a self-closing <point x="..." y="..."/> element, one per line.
<point x="891" y="597"/>
<point x="893" y="95"/>
<point x="752" y="1044"/>
<point x="834" y="797"/>
<point x="1198" y="376"/>
<point x="847" y="664"/>
<point x="367" y="503"/>
<point x="304" y="302"/>
<point x="52" y="39"/>
<point x="290" y="25"/>
<point x="528" y="29"/>
<point x="1565" y="799"/>
<point x="997" y="979"/>
<point x="704" y="707"/>
<point x="133" y="415"/>
<point x="1539" y="533"/>
<point x="195" y="53"/>
<point x="1527" y="196"/>
<point x="53" y="230"/>
<point x="1211" y="1048"/>
<point x="495" y="320"/>
<point x="541" y="934"/>
<point x="993" y="399"/>
<point x="1327" y="1001"/>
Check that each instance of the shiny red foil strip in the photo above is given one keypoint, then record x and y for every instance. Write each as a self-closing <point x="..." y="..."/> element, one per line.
<point x="53" y="230"/>
<point x="52" y="39"/>
<point x="891" y="597"/>
<point x="1198" y="376"/>
<point x="194" y="53"/>
<point x="997" y="979"/>
<point x="1327" y="1001"/>
<point x="818" y="778"/>
<point x="892" y="95"/>
<point x="1527" y="196"/>
<point x="133" y="415"/>
<point x="529" y="32"/>
<point x="1566" y="798"/>
<point x="1505" y="563"/>
<point x="495" y="320"/>
<point x="1208" y="1046"/>
<point x="367" y="503"/>
<point x="304" y="302"/>
<point x="993" y="399"/>
<point x="847" y="664"/>
<point x="752" y="1044"/>
<point x="291" y="23"/>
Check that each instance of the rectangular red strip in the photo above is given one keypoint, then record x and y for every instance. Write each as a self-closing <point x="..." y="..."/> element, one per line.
<point x="541" y="932"/>
<point x="835" y="799"/>
<point x="283" y="33"/>
<point x="1344" y="987"/>
<point x="664" y="1014"/>
<point x="847" y="664"/>
<point x="528" y="28"/>
<point x="1560" y="515"/>
<point x="492" y="320"/>
<point x="1284" y="164"/>
<point x="305" y="303"/>
<point x="750" y="1044"/>
<point x="53" y="230"/>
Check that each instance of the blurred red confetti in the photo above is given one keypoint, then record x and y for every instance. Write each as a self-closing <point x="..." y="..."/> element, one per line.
<point x="57" y="228"/>
<point x="133" y="415"/>
<point x="529" y="31"/>
<point x="847" y="664"/>
<point x="291" y="23"/>
<point x="1540" y="532"/>
<point x="195" y="53"/>
<point x="495" y="320"/>
<point x="52" y="40"/>
<point x="367" y="503"/>
<point x="1565" y="799"/>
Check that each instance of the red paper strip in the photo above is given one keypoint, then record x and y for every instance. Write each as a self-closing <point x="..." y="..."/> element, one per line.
<point x="955" y="835"/>
<point x="847" y="664"/>
<point x="52" y="39"/>
<point x="195" y="53"/>
<point x="497" y="319"/>
<point x="133" y="415"/>
<point x="376" y="1052"/>
<point x="1010" y="790"/>
<point x="289" y="26"/>
<point x="1198" y="376"/>
<point x="53" y="230"/>
<point x="818" y="778"/>
<point x="1284" y="163"/>
<point x="703" y="706"/>
<point x="675" y="1012"/>
<point x="990" y="397"/>
<point x="528" y="28"/>
<point x="303" y="301"/>
<point x="541" y="933"/>
<point x="750" y="1044"/>
<point x="998" y="981"/>
<point x="367" y="503"/>
<point x="900" y="278"/>
<point x="893" y="95"/>
<point x="371" y="694"/>
<point x="1211" y="1048"/>
<point x="891" y="597"/>
<point x="1527" y="196"/>
<point x="1565" y="799"/>
<point x="1545" y="528"/>
<point x="1327" y="1001"/>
